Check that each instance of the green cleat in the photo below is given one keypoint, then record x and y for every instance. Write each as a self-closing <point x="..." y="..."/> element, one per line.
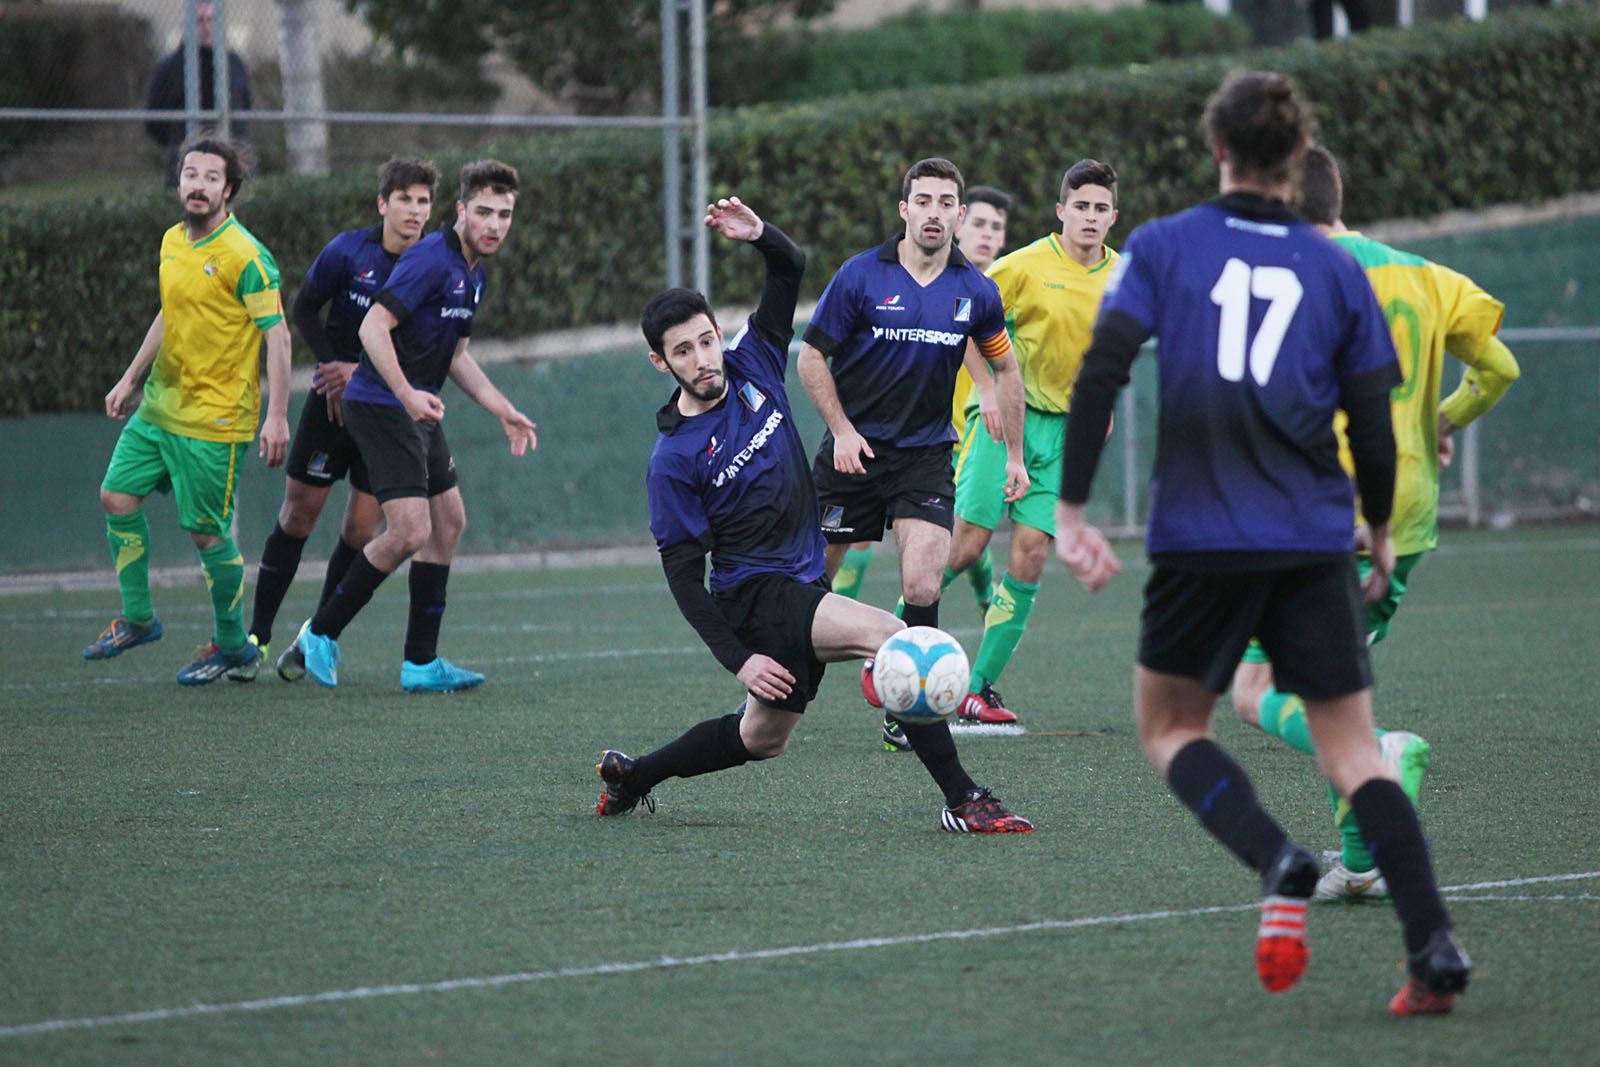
<point x="1406" y="757"/>
<point x="247" y="672"/>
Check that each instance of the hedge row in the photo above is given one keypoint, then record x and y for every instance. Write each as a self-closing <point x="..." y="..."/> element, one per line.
<point x="921" y="49"/>
<point x="1458" y="115"/>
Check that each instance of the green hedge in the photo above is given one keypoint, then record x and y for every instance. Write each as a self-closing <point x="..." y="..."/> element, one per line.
<point x="953" y="49"/>
<point x="1459" y="115"/>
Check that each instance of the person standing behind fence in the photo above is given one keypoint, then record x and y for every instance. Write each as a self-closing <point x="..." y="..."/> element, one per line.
<point x="219" y="295"/>
<point x="1265" y="329"/>
<point x="167" y="84"/>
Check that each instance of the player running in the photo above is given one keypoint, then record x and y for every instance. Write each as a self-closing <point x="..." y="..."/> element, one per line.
<point x="1265" y="329"/>
<point x="1431" y="310"/>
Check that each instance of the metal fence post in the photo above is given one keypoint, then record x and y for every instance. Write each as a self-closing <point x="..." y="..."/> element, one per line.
<point x="191" y="69"/>
<point x="221" y="91"/>
<point x="700" y="180"/>
<point x="671" y="155"/>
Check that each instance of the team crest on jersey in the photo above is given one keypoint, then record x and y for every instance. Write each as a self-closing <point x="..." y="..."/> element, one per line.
<point x="713" y="446"/>
<point x="367" y="277"/>
<point x="210" y="268"/>
<point x="832" y="516"/>
<point x="461" y="285"/>
<point x="890" y="303"/>
<point x="963" y="309"/>
<point x="753" y="398"/>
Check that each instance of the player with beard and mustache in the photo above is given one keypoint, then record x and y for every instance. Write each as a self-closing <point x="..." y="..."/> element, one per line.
<point x="414" y="337"/>
<point x="729" y="476"/>
<point x="219" y="296"/>
<point x="880" y="361"/>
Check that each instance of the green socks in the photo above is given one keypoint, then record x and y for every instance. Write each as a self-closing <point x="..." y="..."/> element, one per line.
<point x="129" y="537"/>
<point x="224" y="569"/>
<point x="852" y="572"/>
<point x="1283" y="715"/>
<point x="1003" y="627"/>
<point x="981" y="575"/>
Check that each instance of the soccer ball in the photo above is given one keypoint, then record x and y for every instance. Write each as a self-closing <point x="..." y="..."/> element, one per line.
<point x="920" y="674"/>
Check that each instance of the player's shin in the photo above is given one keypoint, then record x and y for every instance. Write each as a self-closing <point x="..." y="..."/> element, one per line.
<point x="129" y="537"/>
<point x="224" y="568"/>
<point x="1003" y="627"/>
<point x="280" y="560"/>
<point x="428" y="583"/>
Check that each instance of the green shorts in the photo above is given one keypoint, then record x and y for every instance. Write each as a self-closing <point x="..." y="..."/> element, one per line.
<point x="1378" y="615"/>
<point x="981" y="472"/>
<point x="201" y="475"/>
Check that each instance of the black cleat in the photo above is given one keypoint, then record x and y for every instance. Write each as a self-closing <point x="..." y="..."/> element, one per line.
<point x="894" y="735"/>
<point x="618" y="799"/>
<point x="1293" y="873"/>
<point x="1434" y="977"/>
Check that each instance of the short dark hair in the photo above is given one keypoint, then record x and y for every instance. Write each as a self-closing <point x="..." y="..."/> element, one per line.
<point x="404" y="173"/>
<point x="1320" y="197"/>
<point x="1259" y="117"/>
<point x="1089" y="172"/>
<point x="988" y="194"/>
<point x="487" y="174"/>
<point x="236" y="168"/>
<point x="671" y="308"/>
<point x="933" y="167"/>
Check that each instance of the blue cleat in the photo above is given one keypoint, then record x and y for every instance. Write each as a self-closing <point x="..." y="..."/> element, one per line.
<point x="320" y="655"/>
<point x="212" y="663"/>
<point x="122" y="635"/>
<point x="439" y="676"/>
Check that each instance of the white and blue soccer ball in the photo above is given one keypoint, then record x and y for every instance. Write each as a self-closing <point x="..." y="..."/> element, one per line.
<point x="921" y="675"/>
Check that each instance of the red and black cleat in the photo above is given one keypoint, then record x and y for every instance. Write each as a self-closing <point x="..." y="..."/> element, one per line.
<point x="982" y="813"/>
<point x="618" y="799"/>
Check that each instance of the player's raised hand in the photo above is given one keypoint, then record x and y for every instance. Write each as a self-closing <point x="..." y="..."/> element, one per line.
<point x="274" y="443"/>
<point x="766" y="677"/>
<point x="1084" y="549"/>
<point x="735" y="221"/>
<point x="520" y="431"/>
<point x="1017" y="480"/>
<point x="847" y="453"/>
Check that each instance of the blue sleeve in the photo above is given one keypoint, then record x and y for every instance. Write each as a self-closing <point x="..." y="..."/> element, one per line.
<point x="754" y="355"/>
<point x="676" y="516"/>
<point x="416" y="280"/>
<point x="1131" y="289"/>
<point x="322" y="280"/>
<point x="989" y="312"/>
<point x="1369" y="346"/>
<point x="837" y="312"/>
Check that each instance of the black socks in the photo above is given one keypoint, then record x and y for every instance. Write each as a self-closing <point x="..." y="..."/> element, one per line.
<point x="1218" y="791"/>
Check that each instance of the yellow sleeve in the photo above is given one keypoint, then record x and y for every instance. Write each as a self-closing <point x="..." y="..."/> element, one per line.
<point x="1486" y="381"/>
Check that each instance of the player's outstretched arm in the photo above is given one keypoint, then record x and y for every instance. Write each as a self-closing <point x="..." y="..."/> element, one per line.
<point x="274" y="445"/>
<point x="120" y="401"/>
<point x="786" y="263"/>
<point x="465" y="372"/>
<point x="1012" y="398"/>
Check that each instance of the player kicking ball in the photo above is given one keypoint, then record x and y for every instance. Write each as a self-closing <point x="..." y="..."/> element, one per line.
<point x="730" y="476"/>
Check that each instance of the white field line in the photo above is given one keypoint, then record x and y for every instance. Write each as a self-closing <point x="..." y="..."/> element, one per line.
<point x="91" y="1022"/>
<point x="311" y="570"/>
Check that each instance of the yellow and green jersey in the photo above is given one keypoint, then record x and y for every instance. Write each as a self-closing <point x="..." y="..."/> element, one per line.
<point x="1051" y="301"/>
<point x="218" y="295"/>
<point x="1431" y="310"/>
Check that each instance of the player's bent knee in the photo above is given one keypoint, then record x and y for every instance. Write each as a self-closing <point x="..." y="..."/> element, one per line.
<point x="118" y="503"/>
<point x="764" y="748"/>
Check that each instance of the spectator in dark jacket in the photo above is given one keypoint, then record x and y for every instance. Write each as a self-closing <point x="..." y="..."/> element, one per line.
<point x="166" y="89"/>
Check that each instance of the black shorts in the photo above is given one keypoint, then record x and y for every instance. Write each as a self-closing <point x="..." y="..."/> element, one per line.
<point x="773" y="614"/>
<point x="1310" y="619"/>
<point x="403" y="457"/>
<point x="900" y="483"/>
<point x="322" y="451"/>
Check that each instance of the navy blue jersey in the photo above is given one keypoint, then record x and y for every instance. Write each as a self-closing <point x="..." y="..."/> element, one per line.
<point x="895" y="346"/>
<point x="348" y="273"/>
<point x="736" y="480"/>
<point x="1261" y="322"/>
<point x="434" y="294"/>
